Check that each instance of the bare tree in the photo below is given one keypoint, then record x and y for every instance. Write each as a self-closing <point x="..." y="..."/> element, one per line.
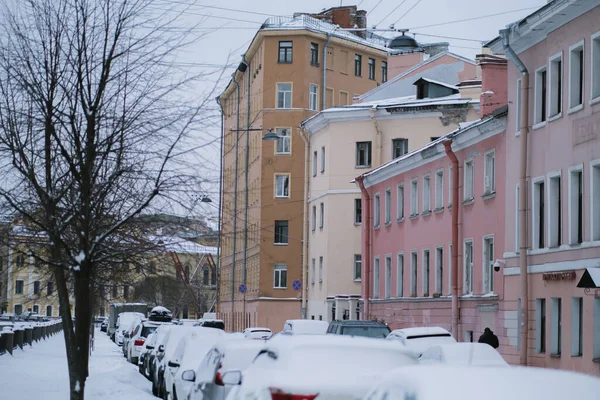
<point x="95" y="128"/>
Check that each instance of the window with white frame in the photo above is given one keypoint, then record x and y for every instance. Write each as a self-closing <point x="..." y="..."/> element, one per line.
<point x="555" y="98"/>
<point x="595" y="199"/>
<point x="313" y="97"/>
<point x="280" y="276"/>
<point x="439" y="189"/>
<point x="555" y="211"/>
<point x="376" y="278"/>
<point x="315" y="162"/>
<point x="399" y="147"/>
<point x="312" y="270"/>
<point x="450" y="186"/>
<point x="449" y="292"/>
<point x="426" y="193"/>
<point x="576" y="75"/>
<point x="322" y="159"/>
<point x="400" y="202"/>
<point x="489" y="173"/>
<point x="357" y="267"/>
<point x="321" y="269"/>
<point x="388" y="277"/>
<point x="363" y="154"/>
<point x="322" y="215"/>
<point x="439" y="270"/>
<point x="576" y="326"/>
<point x="555" y="326"/>
<point x="539" y="214"/>
<point x="284" y="95"/>
<point x="400" y="275"/>
<point x="540" y="96"/>
<point x="388" y="205"/>
<point x="414" y="198"/>
<point x="426" y="272"/>
<point x="468" y="191"/>
<point x="488" y="265"/>
<point x="595" y="67"/>
<point x="282" y="186"/>
<point x="518" y="107"/>
<point x="413" y="273"/>
<point x="284" y="141"/>
<point x="314" y="217"/>
<point x="468" y="268"/>
<point x="357" y="211"/>
<point x="376" y="210"/>
<point x="540" y="326"/>
<point x="576" y="205"/>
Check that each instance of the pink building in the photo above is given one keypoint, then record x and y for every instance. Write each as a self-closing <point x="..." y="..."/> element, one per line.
<point x="408" y="221"/>
<point x="557" y="51"/>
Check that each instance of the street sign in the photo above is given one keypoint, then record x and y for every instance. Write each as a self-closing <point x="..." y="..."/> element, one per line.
<point x="243" y="288"/>
<point x="297" y="285"/>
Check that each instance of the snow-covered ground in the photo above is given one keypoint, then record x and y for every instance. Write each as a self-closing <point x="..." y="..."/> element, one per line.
<point x="41" y="372"/>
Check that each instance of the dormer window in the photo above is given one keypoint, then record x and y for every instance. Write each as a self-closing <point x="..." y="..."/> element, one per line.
<point x="429" y="89"/>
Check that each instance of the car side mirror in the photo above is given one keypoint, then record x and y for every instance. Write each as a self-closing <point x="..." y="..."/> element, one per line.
<point x="173" y="364"/>
<point x="233" y="377"/>
<point x="188" y="375"/>
<point x="127" y="335"/>
<point x="150" y="347"/>
<point x="161" y="348"/>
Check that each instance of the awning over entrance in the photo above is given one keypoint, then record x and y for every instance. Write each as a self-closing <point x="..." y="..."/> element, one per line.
<point x="590" y="279"/>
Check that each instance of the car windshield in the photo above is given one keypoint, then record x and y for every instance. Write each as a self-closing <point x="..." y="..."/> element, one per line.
<point x="146" y="330"/>
<point x="380" y="332"/>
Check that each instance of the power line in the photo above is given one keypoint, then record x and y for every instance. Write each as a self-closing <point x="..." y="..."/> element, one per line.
<point x="449" y="37"/>
<point x="213" y="16"/>
<point x="373" y="9"/>
<point x="391" y="12"/>
<point x="473" y="18"/>
<point x="230" y="9"/>
<point x="409" y="10"/>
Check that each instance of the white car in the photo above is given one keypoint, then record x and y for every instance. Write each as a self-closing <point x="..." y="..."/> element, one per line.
<point x="420" y="339"/>
<point x="305" y="327"/>
<point x="227" y="355"/>
<point x="128" y="333"/>
<point x="436" y="382"/>
<point x="473" y="354"/>
<point x="188" y="354"/>
<point x="307" y="366"/>
<point x="257" y="333"/>
<point x="166" y="348"/>
<point x="123" y="321"/>
<point x="137" y="341"/>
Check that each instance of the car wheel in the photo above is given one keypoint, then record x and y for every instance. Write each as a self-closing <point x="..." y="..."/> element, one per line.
<point x="141" y="369"/>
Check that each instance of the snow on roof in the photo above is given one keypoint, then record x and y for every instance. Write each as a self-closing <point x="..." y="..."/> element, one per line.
<point x="425" y="330"/>
<point x="160" y="309"/>
<point x="258" y="329"/>
<point x="307" y="326"/>
<point x="178" y="245"/>
<point x="437" y="83"/>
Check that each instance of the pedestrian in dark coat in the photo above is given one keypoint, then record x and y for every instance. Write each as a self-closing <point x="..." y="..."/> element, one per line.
<point x="489" y="338"/>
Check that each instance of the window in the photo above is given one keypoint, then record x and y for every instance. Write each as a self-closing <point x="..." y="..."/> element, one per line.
<point x="413" y="273"/>
<point x="414" y="197"/>
<point x="363" y="154"/>
<point x="439" y="189"/>
<point x="576" y="206"/>
<point x="321" y="215"/>
<point x="449" y="270"/>
<point x="376" y="278"/>
<point x="282" y="186"/>
<point x="540" y="325"/>
<point x="400" y="202"/>
<point x="115" y="291"/>
<point x="376" y="216"/>
<point x="595" y="199"/>
<point x="518" y="107"/>
<point x="126" y="291"/>
<point x="314" y="217"/>
<point x="388" y="277"/>
<point x="20" y="260"/>
<point x="388" y="205"/>
<point x="37" y="288"/>
<point x="322" y="159"/>
<point x="19" y="286"/>
<point x="284" y="95"/>
<point x="357" y="65"/>
<point x="205" y="276"/>
<point x="468" y="192"/>
<point x="489" y="179"/>
<point x="281" y="232"/>
<point x="400" y="275"/>
<point x="357" y="211"/>
<point x="314" y="54"/>
<point x="554" y="212"/>
<point x="285" y="52"/>
<point x="576" y="76"/>
<point x="426" y="272"/>
<point x="517" y="221"/>
<point x="488" y="265"/>
<point x="468" y="268"/>
<point x="312" y="271"/>
<point x="36" y="308"/>
<point x="315" y="162"/>
<point x="357" y="267"/>
<point x="596" y="329"/>
<point x="48" y="311"/>
<point x="577" y="326"/>
<point x="539" y="215"/>
<point x="280" y="276"/>
<point x="426" y="194"/>
<point x="540" y="96"/>
<point x="18" y="309"/>
<point x="321" y="269"/>
<point x="555" y="85"/>
<point x="372" y="68"/>
<point x="313" y="97"/>
<point x="284" y="141"/>
<point x="556" y="326"/>
<point x="49" y="288"/>
<point x="399" y="147"/>
<point x="384" y="72"/>
<point x="595" y="70"/>
<point x="449" y="186"/>
<point x="439" y="270"/>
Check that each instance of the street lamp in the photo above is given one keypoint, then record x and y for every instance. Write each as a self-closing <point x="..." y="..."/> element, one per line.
<point x="270" y="135"/>
<point x="205" y="199"/>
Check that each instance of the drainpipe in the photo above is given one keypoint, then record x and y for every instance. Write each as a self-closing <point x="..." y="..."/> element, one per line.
<point x="244" y="274"/>
<point x="455" y="177"/>
<point x="218" y="263"/>
<point x="378" y="137"/>
<point x="523" y="130"/>
<point x="235" y="186"/>
<point x="367" y="230"/>
<point x="324" y="95"/>
<point x="304" y="292"/>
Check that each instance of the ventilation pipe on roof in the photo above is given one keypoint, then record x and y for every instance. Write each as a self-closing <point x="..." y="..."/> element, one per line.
<point x="524" y="294"/>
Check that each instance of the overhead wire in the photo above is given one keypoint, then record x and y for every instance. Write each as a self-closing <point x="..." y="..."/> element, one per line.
<point x="373" y="9"/>
<point x="391" y="12"/>
<point x="472" y="18"/>
<point x="409" y="10"/>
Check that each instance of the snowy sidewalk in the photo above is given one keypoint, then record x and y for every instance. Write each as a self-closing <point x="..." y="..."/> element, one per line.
<point x="41" y="372"/>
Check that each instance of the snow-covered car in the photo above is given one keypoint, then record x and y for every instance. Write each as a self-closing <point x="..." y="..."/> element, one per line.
<point x="190" y="351"/>
<point x="146" y="349"/>
<point x="211" y="323"/>
<point x="473" y="354"/>
<point x="164" y="353"/>
<point x="307" y="366"/>
<point x="137" y="340"/>
<point x="305" y="327"/>
<point x="188" y="322"/>
<point x="434" y="382"/>
<point x="123" y="321"/>
<point x="152" y="348"/>
<point x="104" y="325"/>
<point x="257" y="333"/>
<point x="160" y="314"/>
<point x="420" y="339"/>
<point x="129" y="331"/>
<point x="228" y="355"/>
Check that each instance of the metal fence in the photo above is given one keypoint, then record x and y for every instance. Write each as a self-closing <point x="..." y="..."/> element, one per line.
<point x="23" y="334"/>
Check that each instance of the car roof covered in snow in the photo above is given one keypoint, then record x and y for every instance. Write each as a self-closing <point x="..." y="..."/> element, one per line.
<point x="307" y="326"/>
<point x="475" y="354"/>
<point x="420" y="331"/>
<point x="283" y="342"/>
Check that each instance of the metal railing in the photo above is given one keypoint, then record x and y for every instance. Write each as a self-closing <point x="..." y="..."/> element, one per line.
<point x="22" y="334"/>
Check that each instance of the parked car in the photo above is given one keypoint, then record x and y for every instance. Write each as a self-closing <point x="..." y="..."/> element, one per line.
<point x="151" y="350"/>
<point x="257" y="333"/>
<point x="165" y="352"/>
<point x="160" y="314"/>
<point x="211" y="323"/>
<point x="129" y="330"/>
<point x="123" y="321"/>
<point x="148" y="346"/>
<point x="434" y="382"/>
<point x="137" y="341"/>
<point x="372" y="329"/>
<point x="104" y="325"/>
<point x="307" y="366"/>
<point x="473" y="354"/>
<point x="305" y="327"/>
<point x="420" y="339"/>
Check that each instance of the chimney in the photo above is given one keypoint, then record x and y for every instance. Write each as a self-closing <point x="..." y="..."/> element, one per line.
<point x="347" y="17"/>
<point x="494" y="87"/>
